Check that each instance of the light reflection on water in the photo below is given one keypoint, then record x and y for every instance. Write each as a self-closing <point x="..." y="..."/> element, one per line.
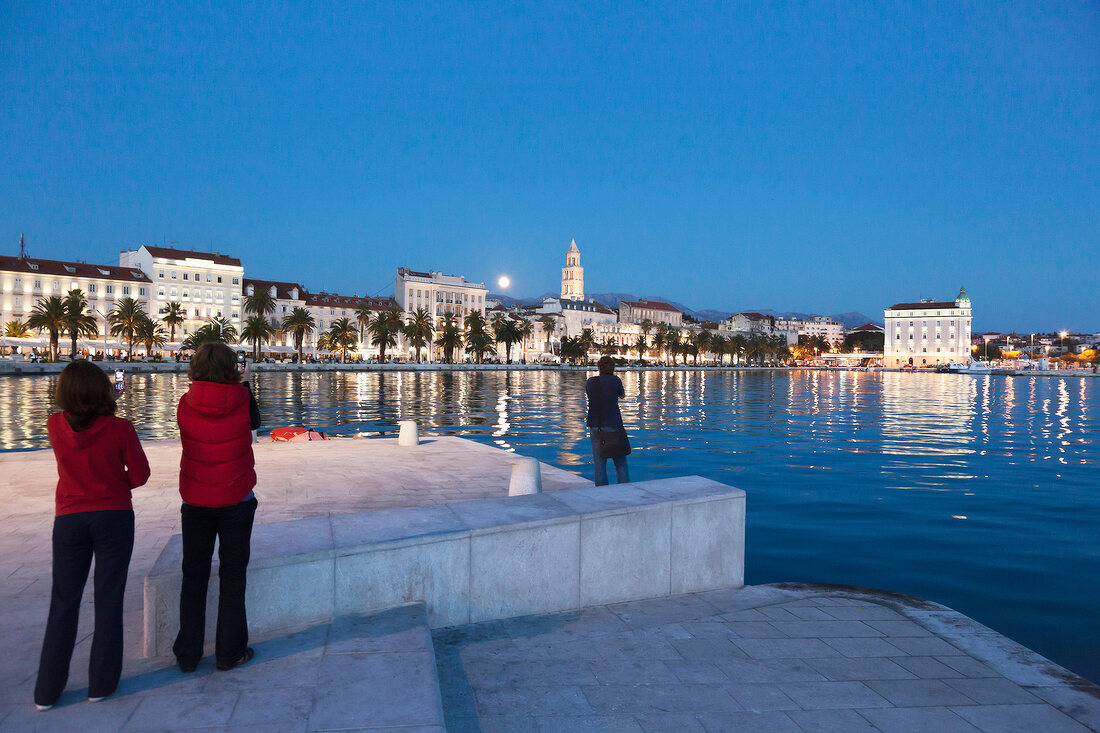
<point x="977" y="492"/>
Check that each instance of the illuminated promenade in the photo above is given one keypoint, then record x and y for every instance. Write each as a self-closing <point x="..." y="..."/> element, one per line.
<point x="767" y="658"/>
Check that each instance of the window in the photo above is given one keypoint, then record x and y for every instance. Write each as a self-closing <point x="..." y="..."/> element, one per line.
<point x="160" y="293"/>
<point x="236" y="281"/>
<point x="34" y="266"/>
<point x="208" y="277"/>
<point x="219" y="278"/>
<point x="125" y="289"/>
<point x="236" y="314"/>
<point x="185" y="276"/>
<point x="141" y="292"/>
<point x="162" y="274"/>
<point x="110" y="289"/>
<point x="18" y="282"/>
<point x="37" y="284"/>
<point x="173" y="274"/>
<point x="198" y="276"/>
<point x="185" y="293"/>
<point x="92" y="287"/>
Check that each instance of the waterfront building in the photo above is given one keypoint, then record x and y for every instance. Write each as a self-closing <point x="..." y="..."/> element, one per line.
<point x="757" y="324"/>
<point x="636" y="311"/>
<point x="928" y="332"/>
<point x="578" y="315"/>
<point x="438" y="293"/>
<point x="329" y="307"/>
<point x="206" y="285"/>
<point x="24" y="281"/>
<point x="287" y="297"/>
<point x="831" y="330"/>
<point x="572" y="275"/>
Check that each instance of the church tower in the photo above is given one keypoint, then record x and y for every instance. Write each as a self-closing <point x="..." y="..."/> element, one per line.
<point x="572" y="275"/>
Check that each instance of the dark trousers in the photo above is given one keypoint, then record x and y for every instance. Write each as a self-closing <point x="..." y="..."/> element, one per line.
<point x="232" y="526"/>
<point x="621" y="471"/>
<point x="77" y="538"/>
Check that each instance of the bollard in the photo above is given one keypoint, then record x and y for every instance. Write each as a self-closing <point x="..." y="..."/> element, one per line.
<point x="409" y="434"/>
<point x="526" y="477"/>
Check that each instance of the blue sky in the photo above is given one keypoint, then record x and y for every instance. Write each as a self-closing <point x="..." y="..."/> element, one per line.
<point x="828" y="157"/>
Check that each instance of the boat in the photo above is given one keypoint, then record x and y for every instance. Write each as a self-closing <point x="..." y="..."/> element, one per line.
<point x="288" y="435"/>
<point x="974" y="367"/>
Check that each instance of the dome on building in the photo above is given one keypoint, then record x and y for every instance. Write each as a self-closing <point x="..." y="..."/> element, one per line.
<point x="963" y="299"/>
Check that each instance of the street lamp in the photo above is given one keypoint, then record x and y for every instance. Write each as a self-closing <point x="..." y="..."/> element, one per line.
<point x="986" y="348"/>
<point x="1062" y="335"/>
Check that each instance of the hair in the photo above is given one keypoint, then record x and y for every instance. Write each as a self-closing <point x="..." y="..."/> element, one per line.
<point x="606" y="365"/>
<point x="84" y="392"/>
<point x="214" y="361"/>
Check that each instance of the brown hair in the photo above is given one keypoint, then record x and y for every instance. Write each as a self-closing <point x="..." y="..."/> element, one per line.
<point x="606" y="365"/>
<point x="84" y="392"/>
<point x="214" y="361"/>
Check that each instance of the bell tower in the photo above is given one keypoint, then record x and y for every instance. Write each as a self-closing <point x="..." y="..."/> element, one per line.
<point x="572" y="275"/>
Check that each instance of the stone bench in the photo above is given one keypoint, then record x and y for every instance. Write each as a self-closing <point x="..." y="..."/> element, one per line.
<point x="479" y="560"/>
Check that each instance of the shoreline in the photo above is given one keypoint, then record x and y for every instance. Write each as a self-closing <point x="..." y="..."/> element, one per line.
<point x="15" y="369"/>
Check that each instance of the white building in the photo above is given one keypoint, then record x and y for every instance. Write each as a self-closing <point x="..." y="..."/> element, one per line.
<point x="928" y="333"/>
<point x="578" y="315"/>
<point x="754" y="324"/>
<point x="329" y="307"/>
<point x="572" y="275"/>
<point x="636" y="311"/>
<point x="437" y="293"/>
<point x="206" y="285"/>
<point x="287" y="297"/>
<point x="831" y="330"/>
<point x="24" y="281"/>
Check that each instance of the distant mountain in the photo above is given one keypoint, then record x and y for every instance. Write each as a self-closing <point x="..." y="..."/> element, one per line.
<point x="850" y="319"/>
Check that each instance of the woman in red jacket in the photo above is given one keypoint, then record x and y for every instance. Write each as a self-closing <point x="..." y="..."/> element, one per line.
<point x="217" y="474"/>
<point x="99" y="461"/>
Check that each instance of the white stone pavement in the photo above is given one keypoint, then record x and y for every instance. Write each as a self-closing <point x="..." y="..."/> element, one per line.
<point x="763" y="658"/>
<point x="296" y="480"/>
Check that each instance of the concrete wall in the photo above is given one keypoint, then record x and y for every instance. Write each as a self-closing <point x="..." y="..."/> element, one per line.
<point x="480" y="560"/>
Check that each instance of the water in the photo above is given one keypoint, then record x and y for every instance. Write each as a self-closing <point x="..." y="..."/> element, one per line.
<point x="976" y="492"/>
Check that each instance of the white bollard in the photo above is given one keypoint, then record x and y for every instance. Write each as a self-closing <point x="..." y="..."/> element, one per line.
<point x="409" y="434"/>
<point x="526" y="477"/>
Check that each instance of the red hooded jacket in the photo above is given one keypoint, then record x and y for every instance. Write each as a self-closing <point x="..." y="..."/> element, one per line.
<point x="217" y="468"/>
<point x="97" y="467"/>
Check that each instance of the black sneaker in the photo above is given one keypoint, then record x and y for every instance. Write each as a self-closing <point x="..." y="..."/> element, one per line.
<point x="247" y="656"/>
<point x="187" y="666"/>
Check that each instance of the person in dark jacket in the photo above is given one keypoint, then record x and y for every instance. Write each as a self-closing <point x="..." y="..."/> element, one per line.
<point x="99" y="462"/>
<point x="217" y="477"/>
<point x="604" y="392"/>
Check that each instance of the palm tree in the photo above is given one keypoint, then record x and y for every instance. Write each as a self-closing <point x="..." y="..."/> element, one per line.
<point x="299" y="322"/>
<point x="173" y="317"/>
<point x="640" y="346"/>
<point x="587" y="341"/>
<point x="124" y="320"/>
<point x="324" y="342"/>
<point x="16" y="329"/>
<point x="202" y="334"/>
<point x="384" y="329"/>
<point x="257" y="330"/>
<point x="549" y="324"/>
<point x="363" y="315"/>
<point x="450" y="339"/>
<point x="343" y="336"/>
<point x="478" y="341"/>
<point x="77" y="321"/>
<point x="150" y="334"/>
<point x="524" y="328"/>
<point x="260" y="303"/>
<point x="700" y="341"/>
<point x="224" y="329"/>
<point x="646" y="326"/>
<point x="418" y="329"/>
<point x="508" y="332"/>
<point x="49" y="315"/>
<point x="737" y="346"/>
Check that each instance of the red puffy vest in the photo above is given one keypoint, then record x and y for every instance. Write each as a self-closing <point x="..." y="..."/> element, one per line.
<point x="217" y="467"/>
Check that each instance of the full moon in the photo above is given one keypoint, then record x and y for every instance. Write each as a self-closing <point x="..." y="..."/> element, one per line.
<point x="504" y="281"/>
